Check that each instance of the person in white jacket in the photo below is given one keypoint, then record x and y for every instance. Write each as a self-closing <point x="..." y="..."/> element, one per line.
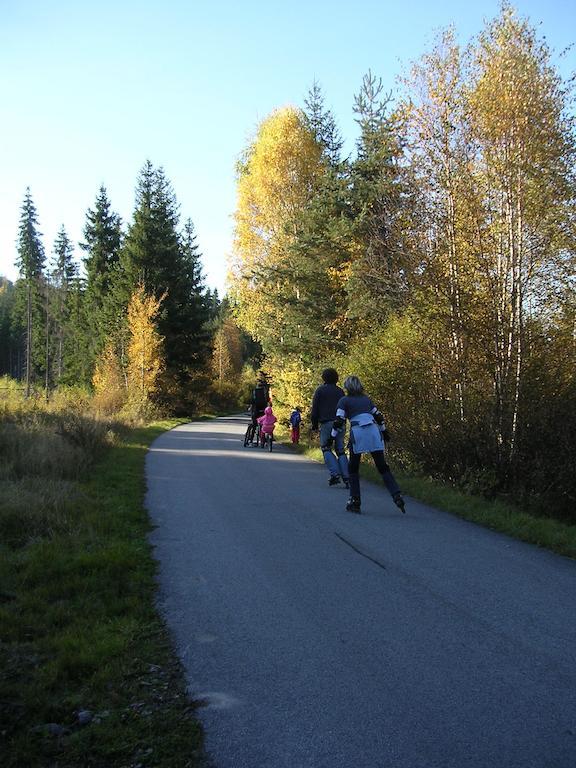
<point x="368" y="434"/>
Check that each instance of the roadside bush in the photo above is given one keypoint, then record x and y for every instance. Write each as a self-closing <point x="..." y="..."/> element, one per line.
<point x="88" y="434"/>
<point x="12" y="400"/>
<point x="67" y="398"/>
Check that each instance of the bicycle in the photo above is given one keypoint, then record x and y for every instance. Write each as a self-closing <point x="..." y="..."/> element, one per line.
<point x="267" y="439"/>
<point x="252" y="434"/>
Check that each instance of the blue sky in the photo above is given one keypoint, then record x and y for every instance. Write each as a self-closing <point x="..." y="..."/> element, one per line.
<point x="90" y="90"/>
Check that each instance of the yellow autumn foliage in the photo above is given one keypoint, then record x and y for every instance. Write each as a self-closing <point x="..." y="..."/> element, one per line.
<point x="108" y="382"/>
<point x="226" y="360"/>
<point x="145" y="347"/>
<point x="276" y="183"/>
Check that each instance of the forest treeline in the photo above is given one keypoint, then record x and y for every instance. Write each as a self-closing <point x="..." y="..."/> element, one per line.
<point x="436" y="262"/>
<point x="137" y="326"/>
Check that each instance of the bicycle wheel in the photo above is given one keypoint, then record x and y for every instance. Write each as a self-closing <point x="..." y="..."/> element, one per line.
<point x="248" y="437"/>
<point x="270" y="441"/>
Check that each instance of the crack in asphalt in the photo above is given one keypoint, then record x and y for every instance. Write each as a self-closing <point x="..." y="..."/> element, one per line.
<point x="359" y="551"/>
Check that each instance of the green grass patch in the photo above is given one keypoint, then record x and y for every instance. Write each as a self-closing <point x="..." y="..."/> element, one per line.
<point x="495" y="514"/>
<point x="79" y="631"/>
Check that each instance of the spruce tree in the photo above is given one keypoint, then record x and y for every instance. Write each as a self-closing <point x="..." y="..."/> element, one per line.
<point x="103" y="235"/>
<point x="31" y="258"/>
<point x="322" y="124"/>
<point x="319" y="258"/>
<point x="212" y="304"/>
<point x="102" y="240"/>
<point x="64" y="268"/>
<point x="78" y="359"/>
<point x="63" y="275"/>
<point x="156" y="256"/>
<point x="30" y="262"/>
<point x="380" y="195"/>
<point x="199" y="304"/>
<point x="146" y="250"/>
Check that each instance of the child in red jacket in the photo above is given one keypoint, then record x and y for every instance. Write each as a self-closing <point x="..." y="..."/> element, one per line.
<point x="295" y="419"/>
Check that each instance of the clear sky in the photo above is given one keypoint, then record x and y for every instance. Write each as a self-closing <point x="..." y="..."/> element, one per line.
<point x="90" y="90"/>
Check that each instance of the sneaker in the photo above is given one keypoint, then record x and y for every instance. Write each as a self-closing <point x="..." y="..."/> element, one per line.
<point x="334" y="480"/>
<point x="353" y="505"/>
<point x="399" y="501"/>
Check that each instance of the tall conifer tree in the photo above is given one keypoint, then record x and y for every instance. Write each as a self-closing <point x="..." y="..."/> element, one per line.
<point x="102" y="240"/>
<point x="102" y="235"/>
<point x="30" y="262"/>
<point x="155" y="256"/>
<point x="322" y="123"/>
<point x="63" y="275"/>
<point x="379" y="276"/>
<point x="200" y="303"/>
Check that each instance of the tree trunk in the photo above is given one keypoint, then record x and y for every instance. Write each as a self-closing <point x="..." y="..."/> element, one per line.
<point x="28" y="337"/>
<point x="518" y="295"/>
<point x="455" y="303"/>
<point x="47" y="356"/>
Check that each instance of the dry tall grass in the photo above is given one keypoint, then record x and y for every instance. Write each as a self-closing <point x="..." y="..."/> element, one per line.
<point x="46" y="446"/>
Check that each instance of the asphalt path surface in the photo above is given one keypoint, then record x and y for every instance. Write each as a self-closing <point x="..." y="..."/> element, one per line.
<point x="318" y="638"/>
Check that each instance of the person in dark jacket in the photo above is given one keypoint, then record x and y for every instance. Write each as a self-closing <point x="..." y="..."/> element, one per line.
<point x="323" y="413"/>
<point x="259" y="400"/>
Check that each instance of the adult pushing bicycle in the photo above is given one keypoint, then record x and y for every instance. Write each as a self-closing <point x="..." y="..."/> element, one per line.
<point x="252" y="434"/>
<point x="259" y="400"/>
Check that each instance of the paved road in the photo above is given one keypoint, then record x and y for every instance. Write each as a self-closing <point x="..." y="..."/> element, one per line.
<point x="324" y="639"/>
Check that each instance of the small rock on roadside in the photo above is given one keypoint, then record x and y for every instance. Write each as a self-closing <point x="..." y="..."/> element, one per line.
<point x="85" y="717"/>
<point x="50" y="729"/>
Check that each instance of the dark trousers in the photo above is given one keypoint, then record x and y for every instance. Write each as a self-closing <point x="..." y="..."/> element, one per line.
<point x="381" y="466"/>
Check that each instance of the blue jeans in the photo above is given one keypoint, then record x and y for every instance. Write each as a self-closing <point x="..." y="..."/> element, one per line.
<point x="337" y="465"/>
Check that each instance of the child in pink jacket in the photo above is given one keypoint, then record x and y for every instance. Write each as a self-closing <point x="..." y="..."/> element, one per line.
<point x="267" y="422"/>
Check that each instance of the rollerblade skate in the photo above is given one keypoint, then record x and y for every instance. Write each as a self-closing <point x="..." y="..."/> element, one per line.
<point x="353" y="505"/>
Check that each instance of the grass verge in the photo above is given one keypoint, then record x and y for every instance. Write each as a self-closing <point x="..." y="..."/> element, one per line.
<point x="497" y="515"/>
<point x="88" y="676"/>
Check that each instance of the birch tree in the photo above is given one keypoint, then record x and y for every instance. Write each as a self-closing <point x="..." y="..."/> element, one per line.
<point x="440" y="157"/>
<point x="145" y="347"/>
<point x="525" y="147"/>
<point x="277" y="179"/>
